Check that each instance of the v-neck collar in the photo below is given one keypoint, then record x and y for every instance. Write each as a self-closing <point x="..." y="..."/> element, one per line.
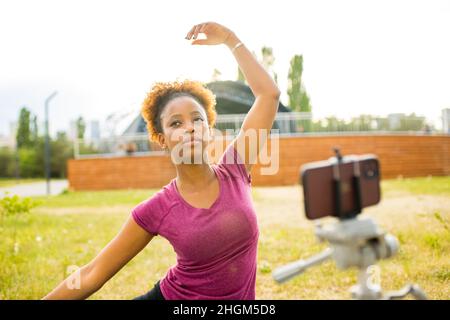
<point x="180" y="197"/>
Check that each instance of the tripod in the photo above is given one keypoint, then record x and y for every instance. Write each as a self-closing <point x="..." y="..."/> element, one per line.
<point x="353" y="243"/>
<point x="356" y="243"/>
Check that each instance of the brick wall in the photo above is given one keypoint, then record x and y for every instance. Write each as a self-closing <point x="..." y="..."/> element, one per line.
<point x="409" y="156"/>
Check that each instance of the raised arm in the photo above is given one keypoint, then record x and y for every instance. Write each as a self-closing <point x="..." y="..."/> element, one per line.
<point x="267" y="94"/>
<point x="128" y="242"/>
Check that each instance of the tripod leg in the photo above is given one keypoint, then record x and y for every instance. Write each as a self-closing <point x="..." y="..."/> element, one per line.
<point x="290" y="270"/>
<point x="365" y="290"/>
<point x="412" y="289"/>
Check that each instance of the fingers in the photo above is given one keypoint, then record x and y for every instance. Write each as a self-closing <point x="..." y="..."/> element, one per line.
<point x="189" y="34"/>
<point x="203" y="28"/>
<point x="195" y="30"/>
<point x="192" y="32"/>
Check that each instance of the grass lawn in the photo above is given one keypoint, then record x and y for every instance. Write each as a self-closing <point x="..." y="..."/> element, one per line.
<point x="8" y="182"/>
<point x="70" y="229"/>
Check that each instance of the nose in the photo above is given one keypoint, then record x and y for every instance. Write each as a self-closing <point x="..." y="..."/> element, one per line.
<point x="190" y="127"/>
<point x="192" y="131"/>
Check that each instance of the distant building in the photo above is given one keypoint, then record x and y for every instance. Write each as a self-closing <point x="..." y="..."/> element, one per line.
<point x="395" y="120"/>
<point x="94" y="127"/>
<point x="7" y="141"/>
<point x="446" y="120"/>
<point x="232" y="97"/>
<point x="91" y="133"/>
<point x="73" y="131"/>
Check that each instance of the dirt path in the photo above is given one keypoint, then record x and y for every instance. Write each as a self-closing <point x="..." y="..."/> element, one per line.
<point x="282" y="205"/>
<point x="35" y="188"/>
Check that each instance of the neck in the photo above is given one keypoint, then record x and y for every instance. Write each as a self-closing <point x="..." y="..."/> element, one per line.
<point x="194" y="176"/>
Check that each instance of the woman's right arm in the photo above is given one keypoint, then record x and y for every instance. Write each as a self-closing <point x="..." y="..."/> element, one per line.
<point x="131" y="239"/>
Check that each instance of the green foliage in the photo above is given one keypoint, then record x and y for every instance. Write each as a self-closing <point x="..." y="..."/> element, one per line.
<point x="433" y="241"/>
<point x="216" y="75"/>
<point x="305" y="102"/>
<point x="367" y="122"/>
<point x="425" y="185"/>
<point x="23" y="136"/>
<point x="9" y="182"/>
<point x="34" y="129"/>
<point x="15" y="205"/>
<point x="411" y="122"/>
<point x="268" y="60"/>
<point x="27" y="161"/>
<point x="298" y="97"/>
<point x="31" y="161"/>
<point x="7" y="162"/>
<point x="62" y="150"/>
<point x="265" y="267"/>
<point x="31" y="158"/>
<point x="81" y="127"/>
<point x="267" y="56"/>
<point x="84" y="148"/>
<point x="442" y="274"/>
<point x="107" y="198"/>
<point x="240" y="76"/>
<point x="295" y="82"/>
<point x="442" y="220"/>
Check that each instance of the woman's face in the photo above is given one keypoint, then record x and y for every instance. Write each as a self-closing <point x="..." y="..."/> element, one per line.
<point x="185" y="127"/>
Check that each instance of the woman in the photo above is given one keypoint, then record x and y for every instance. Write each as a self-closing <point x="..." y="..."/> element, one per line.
<point x="206" y="212"/>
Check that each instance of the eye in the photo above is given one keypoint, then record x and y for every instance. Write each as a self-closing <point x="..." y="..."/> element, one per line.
<point x="175" y="123"/>
<point x="196" y="119"/>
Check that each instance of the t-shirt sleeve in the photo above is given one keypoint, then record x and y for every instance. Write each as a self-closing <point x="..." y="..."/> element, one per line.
<point x="233" y="163"/>
<point x="150" y="213"/>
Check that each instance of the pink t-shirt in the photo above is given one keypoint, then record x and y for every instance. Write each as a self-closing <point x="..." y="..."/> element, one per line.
<point x="217" y="247"/>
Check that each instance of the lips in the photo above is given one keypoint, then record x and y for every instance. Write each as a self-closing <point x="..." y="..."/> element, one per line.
<point x="192" y="140"/>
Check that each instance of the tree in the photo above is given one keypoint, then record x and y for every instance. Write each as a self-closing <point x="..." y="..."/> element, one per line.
<point x="412" y="122"/>
<point x="64" y="150"/>
<point x="34" y="129"/>
<point x="23" y="136"/>
<point x="305" y="102"/>
<point x="364" y="122"/>
<point x="298" y="97"/>
<point x="81" y="127"/>
<point x="31" y="162"/>
<point x="240" y="76"/>
<point x="7" y="162"/>
<point x="295" y="82"/>
<point x="216" y="75"/>
<point x="268" y="60"/>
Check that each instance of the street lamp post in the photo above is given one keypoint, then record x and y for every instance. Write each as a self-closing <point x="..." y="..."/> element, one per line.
<point x="47" y="143"/>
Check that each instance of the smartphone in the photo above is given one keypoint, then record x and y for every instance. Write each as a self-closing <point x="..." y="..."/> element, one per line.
<point x="332" y="187"/>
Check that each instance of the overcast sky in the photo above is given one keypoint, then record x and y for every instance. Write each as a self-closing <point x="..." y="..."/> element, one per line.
<point x="375" y="57"/>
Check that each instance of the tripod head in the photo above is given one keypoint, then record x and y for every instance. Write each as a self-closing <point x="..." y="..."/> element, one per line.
<point x="353" y="242"/>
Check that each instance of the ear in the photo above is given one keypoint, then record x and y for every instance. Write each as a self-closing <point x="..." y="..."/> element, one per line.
<point x="162" y="141"/>
<point x="211" y="133"/>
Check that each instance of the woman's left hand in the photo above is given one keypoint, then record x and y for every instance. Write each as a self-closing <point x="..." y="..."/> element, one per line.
<point x="215" y="34"/>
